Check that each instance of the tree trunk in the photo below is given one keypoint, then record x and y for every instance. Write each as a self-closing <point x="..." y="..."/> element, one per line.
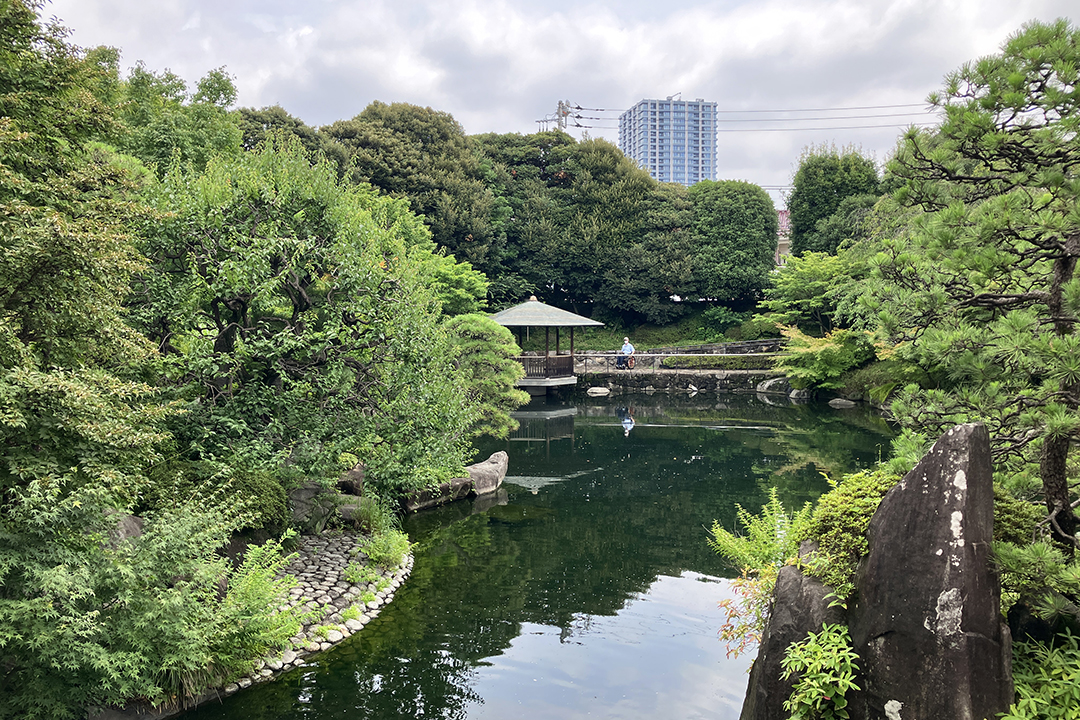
<point x="1055" y="453"/>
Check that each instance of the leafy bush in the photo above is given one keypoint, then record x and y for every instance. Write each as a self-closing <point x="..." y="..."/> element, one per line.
<point x="839" y="525"/>
<point x="387" y="550"/>
<point x="824" y="666"/>
<point x="371" y="514"/>
<point x="1047" y="681"/>
<point x="720" y="362"/>
<point x="357" y="574"/>
<point x="755" y="328"/>
<point x="1015" y="520"/>
<point x="351" y="613"/>
<point x="715" y="321"/>
<point x="769" y="541"/>
<point x="820" y="362"/>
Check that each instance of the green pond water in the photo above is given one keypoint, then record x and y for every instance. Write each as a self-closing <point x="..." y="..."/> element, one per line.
<point x="584" y="587"/>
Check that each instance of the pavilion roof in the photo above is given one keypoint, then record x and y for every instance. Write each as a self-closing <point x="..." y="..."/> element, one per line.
<point x="533" y="313"/>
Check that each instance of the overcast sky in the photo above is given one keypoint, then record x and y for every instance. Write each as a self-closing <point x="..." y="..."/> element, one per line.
<point x="501" y="65"/>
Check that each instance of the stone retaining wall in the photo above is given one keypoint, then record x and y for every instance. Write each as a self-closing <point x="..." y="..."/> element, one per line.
<point x="719" y="381"/>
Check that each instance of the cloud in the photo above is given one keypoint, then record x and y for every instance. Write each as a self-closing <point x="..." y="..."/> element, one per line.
<point x="501" y="65"/>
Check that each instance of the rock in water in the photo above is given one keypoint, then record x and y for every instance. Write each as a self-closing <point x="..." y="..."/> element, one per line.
<point x="927" y="624"/>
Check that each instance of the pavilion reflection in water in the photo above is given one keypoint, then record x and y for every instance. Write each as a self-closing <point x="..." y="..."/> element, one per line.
<point x="544" y="426"/>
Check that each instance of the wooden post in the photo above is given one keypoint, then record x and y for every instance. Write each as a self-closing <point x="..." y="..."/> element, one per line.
<point x="557" y="341"/>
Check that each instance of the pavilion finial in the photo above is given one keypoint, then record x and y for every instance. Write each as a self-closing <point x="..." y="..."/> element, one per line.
<point x="532" y="298"/>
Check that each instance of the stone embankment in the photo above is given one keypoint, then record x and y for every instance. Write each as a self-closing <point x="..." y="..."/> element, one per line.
<point x="337" y="608"/>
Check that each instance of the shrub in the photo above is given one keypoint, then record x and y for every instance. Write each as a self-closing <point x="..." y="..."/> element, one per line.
<point x="824" y="666"/>
<point x="1046" y="680"/>
<point x="753" y="329"/>
<point x="821" y="362"/>
<point x="721" y="362"/>
<point x="357" y="574"/>
<point x="351" y="613"/>
<point x="839" y="525"/>
<point x="387" y="549"/>
<point x="770" y="540"/>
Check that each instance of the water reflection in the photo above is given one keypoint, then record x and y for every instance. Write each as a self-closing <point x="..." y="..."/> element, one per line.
<point x="585" y="587"/>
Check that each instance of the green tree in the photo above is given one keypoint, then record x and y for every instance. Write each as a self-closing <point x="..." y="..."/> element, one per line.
<point x="826" y="176"/>
<point x="257" y="125"/>
<point x="588" y="230"/>
<point x="981" y="289"/>
<point x="86" y="617"/>
<point x="804" y="291"/>
<point x="424" y="155"/>
<point x="736" y="226"/>
<point x="160" y="121"/>
<point x="486" y="354"/>
<point x="299" y="321"/>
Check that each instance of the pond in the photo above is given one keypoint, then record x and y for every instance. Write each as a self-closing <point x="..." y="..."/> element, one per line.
<point x="584" y="587"/>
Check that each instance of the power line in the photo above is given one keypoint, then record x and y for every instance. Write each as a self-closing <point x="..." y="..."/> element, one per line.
<point x="833" y="117"/>
<point x="832" y="109"/>
<point x="811" y="129"/>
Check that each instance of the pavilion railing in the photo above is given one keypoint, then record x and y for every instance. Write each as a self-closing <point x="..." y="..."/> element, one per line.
<point x="551" y="366"/>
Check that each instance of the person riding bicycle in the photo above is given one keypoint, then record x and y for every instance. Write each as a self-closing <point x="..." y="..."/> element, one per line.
<point x="625" y="356"/>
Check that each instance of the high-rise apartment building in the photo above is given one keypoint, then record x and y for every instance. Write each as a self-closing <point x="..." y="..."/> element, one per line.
<point x="675" y="140"/>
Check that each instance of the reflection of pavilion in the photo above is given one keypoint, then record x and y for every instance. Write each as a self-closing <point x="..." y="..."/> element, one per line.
<point x="544" y="426"/>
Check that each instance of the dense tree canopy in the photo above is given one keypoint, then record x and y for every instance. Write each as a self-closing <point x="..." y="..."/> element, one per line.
<point x="982" y="287"/>
<point x="299" y="319"/>
<point x="735" y="225"/>
<point x="825" y="177"/>
<point x="588" y="229"/>
<point x="423" y="155"/>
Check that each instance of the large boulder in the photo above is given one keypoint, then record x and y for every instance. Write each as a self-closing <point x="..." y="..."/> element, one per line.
<point x="800" y="606"/>
<point x="927" y="624"/>
<point x="311" y="505"/>
<point x="488" y="475"/>
<point x="483" y="478"/>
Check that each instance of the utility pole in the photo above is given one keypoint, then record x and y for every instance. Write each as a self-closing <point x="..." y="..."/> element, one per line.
<point x="558" y="118"/>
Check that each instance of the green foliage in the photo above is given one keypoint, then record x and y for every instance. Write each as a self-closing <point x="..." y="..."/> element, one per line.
<point x="586" y="228"/>
<point x="839" y="525"/>
<point x="735" y="225"/>
<point x="1040" y="575"/>
<point x="821" y="362"/>
<point x="423" y="155"/>
<point x="824" y="666"/>
<point x="372" y="514"/>
<point x="826" y="176"/>
<point x="79" y="600"/>
<point x="1047" y="681"/>
<point x="351" y="613"/>
<point x="388" y="550"/>
<point x="461" y="290"/>
<point x="485" y="353"/>
<point x="721" y="362"/>
<point x="162" y="123"/>
<point x="769" y="540"/>
<point x="980" y="286"/>
<point x="359" y="574"/>
<point x="1015" y="520"/>
<point x="299" y="320"/>
<point x="809" y="290"/>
